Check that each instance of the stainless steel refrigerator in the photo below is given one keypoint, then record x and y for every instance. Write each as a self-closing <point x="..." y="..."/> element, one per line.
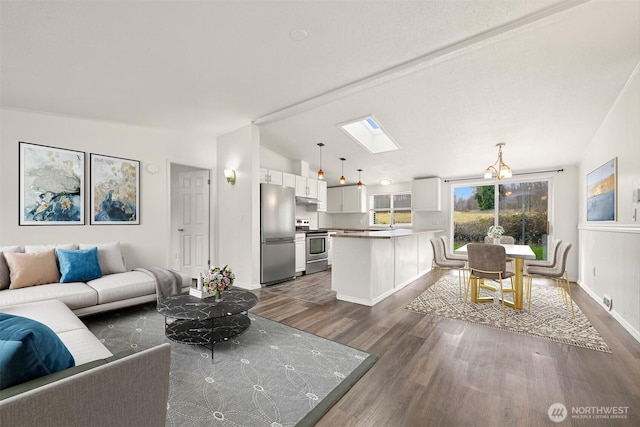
<point x="277" y="234"/>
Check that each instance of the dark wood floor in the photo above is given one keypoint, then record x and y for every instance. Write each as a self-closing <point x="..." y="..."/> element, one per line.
<point x="442" y="372"/>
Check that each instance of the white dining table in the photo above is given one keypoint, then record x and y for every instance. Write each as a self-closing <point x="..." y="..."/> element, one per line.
<point x="519" y="253"/>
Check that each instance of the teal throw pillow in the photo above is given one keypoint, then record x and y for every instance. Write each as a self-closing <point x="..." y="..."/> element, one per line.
<point x="79" y="265"/>
<point x="28" y="350"/>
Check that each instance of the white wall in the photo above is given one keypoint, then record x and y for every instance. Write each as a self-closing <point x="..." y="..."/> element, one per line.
<point x="271" y="160"/>
<point x="144" y="245"/>
<point x="238" y="206"/>
<point x="609" y="251"/>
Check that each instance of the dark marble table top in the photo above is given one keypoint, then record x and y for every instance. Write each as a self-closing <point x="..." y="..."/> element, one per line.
<point x="188" y="307"/>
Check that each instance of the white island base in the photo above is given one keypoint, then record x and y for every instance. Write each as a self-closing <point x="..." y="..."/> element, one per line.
<point x="371" y="265"/>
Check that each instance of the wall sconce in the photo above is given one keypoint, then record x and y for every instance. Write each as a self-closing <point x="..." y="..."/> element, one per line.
<point x="230" y="174"/>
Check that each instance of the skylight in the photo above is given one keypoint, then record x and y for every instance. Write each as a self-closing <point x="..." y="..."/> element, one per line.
<point x="368" y="133"/>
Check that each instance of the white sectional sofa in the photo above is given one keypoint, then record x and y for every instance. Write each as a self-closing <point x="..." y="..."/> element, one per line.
<point x="128" y="389"/>
<point x="116" y="288"/>
<point x="36" y="282"/>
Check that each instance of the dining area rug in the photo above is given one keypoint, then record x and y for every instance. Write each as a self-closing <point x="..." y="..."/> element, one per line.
<point x="270" y="375"/>
<point x="549" y="318"/>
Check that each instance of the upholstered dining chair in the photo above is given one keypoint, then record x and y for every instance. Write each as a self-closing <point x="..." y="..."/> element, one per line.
<point x="441" y="263"/>
<point x="504" y="240"/>
<point x="557" y="272"/>
<point x="489" y="262"/>
<point x="448" y="251"/>
<point x="549" y="262"/>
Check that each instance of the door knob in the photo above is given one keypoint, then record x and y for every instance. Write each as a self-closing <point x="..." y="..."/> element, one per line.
<point x="180" y="229"/>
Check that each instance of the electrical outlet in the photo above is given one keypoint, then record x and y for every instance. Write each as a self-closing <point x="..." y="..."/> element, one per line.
<point x="607" y="301"/>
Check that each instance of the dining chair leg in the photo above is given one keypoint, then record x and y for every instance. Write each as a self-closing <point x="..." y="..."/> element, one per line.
<point x="504" y="309"/>
<point x="466" y="293"/>
<point x="568" y="291"/>
<point x="529" y="283"/>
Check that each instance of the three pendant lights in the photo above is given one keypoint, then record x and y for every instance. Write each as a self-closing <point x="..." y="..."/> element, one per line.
<point x="342" y="180"/>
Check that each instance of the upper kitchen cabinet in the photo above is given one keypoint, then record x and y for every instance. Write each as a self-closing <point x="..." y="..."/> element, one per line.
<point x="322" y="196"/>
<point x="270" y="176"/>
<point x="349" y="199"/>
<point x="306" y="187"/>
<point x="426" y="194"/>
<point x="288" y="180"/>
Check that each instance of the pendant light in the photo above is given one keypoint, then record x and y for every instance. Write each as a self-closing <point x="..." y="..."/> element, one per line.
<point x="500" y="168"/>
<point x="342" y="178"/>
<point x="359" y="180"/>
<point x="320" y="171"/>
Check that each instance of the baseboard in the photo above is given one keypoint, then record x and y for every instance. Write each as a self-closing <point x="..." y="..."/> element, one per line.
<point x="626" y="325"/>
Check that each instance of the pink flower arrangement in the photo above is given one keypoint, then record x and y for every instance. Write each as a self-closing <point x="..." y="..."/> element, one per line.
<point x="218" y="279"/>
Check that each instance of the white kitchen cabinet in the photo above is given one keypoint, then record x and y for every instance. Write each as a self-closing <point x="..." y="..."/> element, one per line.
<point x="288" y="180"/>
<point x="301" y="253"/>
<point x="426" y="194"/>
<point x="270" y="176"/>
<point x="322" y="196"/>
<point x="349" y="199"/>
<point x="306" y="187"/>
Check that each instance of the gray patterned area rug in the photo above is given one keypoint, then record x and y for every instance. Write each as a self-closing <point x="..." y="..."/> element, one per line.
<point x="271" y="375"/>
<point x="549" y="318"/>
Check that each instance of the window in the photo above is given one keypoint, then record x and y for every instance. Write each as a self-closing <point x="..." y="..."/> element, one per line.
<point x="389" y="209"/>
<point x="520" y="207"/>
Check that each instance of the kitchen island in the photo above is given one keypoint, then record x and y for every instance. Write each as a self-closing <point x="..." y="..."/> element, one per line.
<point x="368" y="266"/>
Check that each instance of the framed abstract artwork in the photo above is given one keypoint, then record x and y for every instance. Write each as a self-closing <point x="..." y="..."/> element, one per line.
<point x="51" y="185"/>
<point x="601" y="192"/>
<point x="115" y="190"/>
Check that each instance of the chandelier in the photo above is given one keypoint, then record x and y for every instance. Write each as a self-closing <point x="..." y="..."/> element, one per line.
<point x="499" y="168"/>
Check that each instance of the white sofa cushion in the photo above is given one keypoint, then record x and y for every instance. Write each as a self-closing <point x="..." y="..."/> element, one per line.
<point x="120" y="286"/>
<point x="82" y="344"/>
<point x="32" y="249"/>
<point x="74" y="295"/>
<point x="109" y="256"/>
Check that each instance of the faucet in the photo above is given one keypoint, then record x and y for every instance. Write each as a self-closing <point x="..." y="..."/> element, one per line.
<point x="391" y="221"/>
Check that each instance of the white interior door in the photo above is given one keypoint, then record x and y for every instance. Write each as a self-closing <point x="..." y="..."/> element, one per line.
<point x="194" y="229"/>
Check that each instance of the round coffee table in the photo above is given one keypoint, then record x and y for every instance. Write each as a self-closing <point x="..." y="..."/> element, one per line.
<point x="205" y="321"/>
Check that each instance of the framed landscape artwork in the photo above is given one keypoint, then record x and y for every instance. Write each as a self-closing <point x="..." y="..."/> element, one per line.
<point x="115" y="190"/>
<point x="51" y="185"/>
<point x="601" y="192"/>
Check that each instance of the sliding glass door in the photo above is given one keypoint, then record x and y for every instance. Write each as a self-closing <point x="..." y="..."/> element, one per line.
<point x="521" y="208"/>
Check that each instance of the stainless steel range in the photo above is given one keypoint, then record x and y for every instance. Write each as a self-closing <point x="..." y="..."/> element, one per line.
<point x="316" y="248"/>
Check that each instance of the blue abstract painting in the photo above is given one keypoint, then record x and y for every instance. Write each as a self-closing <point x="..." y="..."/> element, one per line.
<point x="601" y="193"/>
<point x="115" y="190"/>
<point x="51" y="185"/>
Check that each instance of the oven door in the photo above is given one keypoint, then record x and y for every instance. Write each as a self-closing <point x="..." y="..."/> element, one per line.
<point x="317" y="247"/>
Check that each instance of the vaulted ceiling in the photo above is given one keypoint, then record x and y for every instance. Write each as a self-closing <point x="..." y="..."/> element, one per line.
<point x="447" y="79"/>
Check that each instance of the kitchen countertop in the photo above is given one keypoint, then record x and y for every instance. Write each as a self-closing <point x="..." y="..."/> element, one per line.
<point x="382" y="233"/>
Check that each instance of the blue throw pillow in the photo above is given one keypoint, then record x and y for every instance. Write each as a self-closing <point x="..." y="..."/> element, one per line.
<point x="79" y="265"/>
<point x="28" y="350"/>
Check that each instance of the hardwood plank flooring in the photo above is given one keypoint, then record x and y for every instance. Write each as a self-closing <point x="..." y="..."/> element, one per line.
<point x="442" y="372"/>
